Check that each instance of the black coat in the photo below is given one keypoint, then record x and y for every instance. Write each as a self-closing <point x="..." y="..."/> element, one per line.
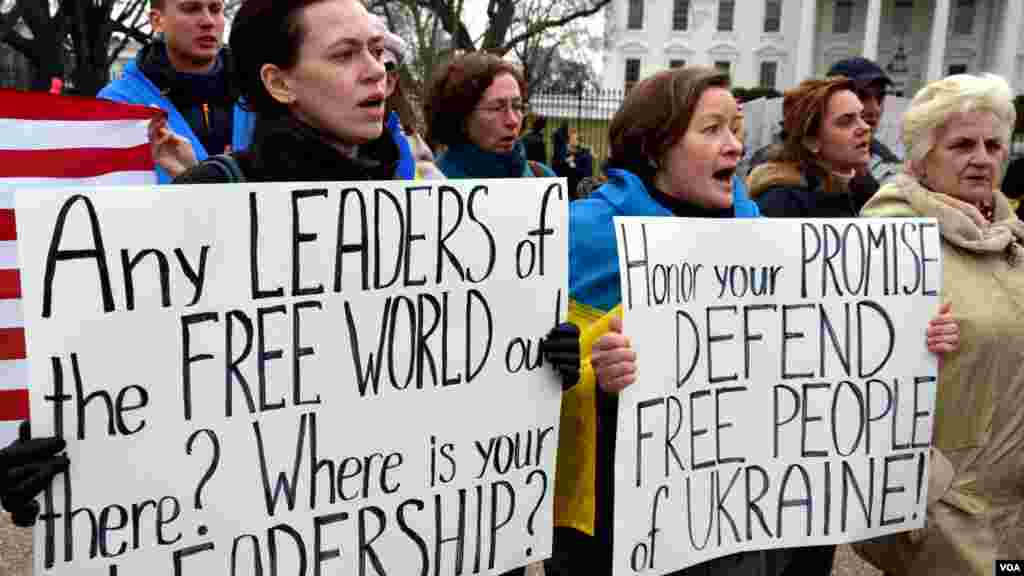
<point x="286" y="150"/>
<point x="536" y="149"/>
<point x="781" y="190"/>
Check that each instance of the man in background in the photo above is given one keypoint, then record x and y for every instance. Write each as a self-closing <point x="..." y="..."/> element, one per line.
<point x="186" y="71"/>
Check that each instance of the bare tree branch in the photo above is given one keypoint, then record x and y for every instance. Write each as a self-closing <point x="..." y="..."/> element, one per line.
<point x="539" y="27"/>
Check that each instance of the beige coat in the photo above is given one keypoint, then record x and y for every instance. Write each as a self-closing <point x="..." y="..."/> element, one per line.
<point x="976" y="481"/>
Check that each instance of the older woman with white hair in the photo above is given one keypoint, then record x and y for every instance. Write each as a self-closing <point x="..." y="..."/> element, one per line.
<point x="957" y="133"/>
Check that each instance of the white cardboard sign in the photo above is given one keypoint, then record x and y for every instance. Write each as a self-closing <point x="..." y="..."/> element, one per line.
<point x="785" y="391"/>
<point x="321" y="378"/>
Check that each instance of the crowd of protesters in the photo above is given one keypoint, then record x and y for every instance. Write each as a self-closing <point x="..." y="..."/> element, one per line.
<point x="309" y="90"/>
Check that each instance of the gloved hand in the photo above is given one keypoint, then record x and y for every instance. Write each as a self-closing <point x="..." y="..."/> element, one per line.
<point x="561" y="349"/>
<point x="27" y="466"/>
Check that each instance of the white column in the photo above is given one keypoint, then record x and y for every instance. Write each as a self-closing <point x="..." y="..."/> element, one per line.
<point x="937" y="45"/>
<point x="872" y="23"/>
<point x="805" y="47"/>
<point x="1009" y="40"/>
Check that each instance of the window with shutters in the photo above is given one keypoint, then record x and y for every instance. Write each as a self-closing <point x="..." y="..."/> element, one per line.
<point x="902" y="16"/>
<point x="680" y="14"/>
<point x="636" y="15"/>
<point x="842" y="20"/>
<point x="632" y="72"/>
<point x="769" y="71"/>
<point x="772" y="15"/>
<point x="726" y="13"/>
<point x="964" y="23"/>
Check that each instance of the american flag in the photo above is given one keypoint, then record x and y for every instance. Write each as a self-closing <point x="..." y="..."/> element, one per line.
<point x="51" y="140"/>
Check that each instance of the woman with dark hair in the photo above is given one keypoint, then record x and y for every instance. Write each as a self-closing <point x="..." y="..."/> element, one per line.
<point x="311" y="70"/>
<point x="475" y="109"/>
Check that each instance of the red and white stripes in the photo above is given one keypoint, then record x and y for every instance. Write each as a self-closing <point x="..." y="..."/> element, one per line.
<point x="53" y="140"/>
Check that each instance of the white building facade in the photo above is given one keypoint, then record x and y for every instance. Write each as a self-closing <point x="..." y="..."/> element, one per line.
<point x="778" y="43"/>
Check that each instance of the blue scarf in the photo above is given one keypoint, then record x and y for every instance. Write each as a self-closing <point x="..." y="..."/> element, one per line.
<point x="467" y="160"/>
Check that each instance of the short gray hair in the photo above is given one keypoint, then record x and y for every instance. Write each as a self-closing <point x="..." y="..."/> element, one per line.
<point x="961" y="93"/>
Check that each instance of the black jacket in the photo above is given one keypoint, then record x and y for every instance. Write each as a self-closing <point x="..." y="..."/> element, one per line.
<point x="286" y="150"/>
<point x="881" y="167"/>
<point x="206" y="101"/>
<point x="784" y="190"/>
<point x="536" y="149"/>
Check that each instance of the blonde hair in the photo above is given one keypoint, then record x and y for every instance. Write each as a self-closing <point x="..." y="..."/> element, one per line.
<point x="933" y="105"/>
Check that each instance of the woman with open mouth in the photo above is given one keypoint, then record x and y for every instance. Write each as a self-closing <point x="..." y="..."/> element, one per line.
<point x="313" y="72"/>
<point x="827" y="144"/>
<point x="810" y="176"/>
<point x="475" y="110"/>
<point x="673" y="154"/>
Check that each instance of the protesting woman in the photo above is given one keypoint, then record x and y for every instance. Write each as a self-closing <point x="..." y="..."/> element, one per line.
<point x="312" y="72"/>
<point x="957" y="133"/>
<point x="673" y="154"/>
<point x="475" y="109"/>
<point x="812" y="173"/>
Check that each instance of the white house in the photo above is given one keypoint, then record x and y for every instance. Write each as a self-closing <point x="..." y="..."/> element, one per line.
<point x="777" y="43"/>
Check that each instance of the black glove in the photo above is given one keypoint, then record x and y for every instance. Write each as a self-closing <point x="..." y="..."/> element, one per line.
<point x="561" y="349"/>
<point x="27" y="466"/>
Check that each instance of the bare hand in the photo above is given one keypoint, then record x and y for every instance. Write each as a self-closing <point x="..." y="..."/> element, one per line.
<point x="943" y="332"/>
<point x="613" y="359"/>
<point x="170" y="151"/>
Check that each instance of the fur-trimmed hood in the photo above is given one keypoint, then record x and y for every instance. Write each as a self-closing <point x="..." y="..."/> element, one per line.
<point x="772" y="174"/>
<point x="793" y="175"/>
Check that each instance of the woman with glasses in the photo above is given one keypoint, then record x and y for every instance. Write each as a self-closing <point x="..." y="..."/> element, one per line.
<point x="475" y="109"/>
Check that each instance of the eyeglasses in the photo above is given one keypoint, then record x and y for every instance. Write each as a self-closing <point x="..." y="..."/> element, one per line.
<point x="504" y="105"/>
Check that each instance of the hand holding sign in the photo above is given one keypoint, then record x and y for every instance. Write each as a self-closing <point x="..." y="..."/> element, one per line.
<point x="943" y="331"/>
<point x="787" y="395"/>
<point x="27" y="466"/>
<point x="613" y="359"/>
<point x="301" y="344"/>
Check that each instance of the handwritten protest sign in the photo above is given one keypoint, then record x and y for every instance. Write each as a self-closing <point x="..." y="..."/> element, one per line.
<point x="784" y="392"/>
<point x="295" y="379"/>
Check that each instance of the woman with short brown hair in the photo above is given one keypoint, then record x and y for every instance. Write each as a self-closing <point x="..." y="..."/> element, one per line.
<point x="673" y="153"/>
<point x="475" y="109"/>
